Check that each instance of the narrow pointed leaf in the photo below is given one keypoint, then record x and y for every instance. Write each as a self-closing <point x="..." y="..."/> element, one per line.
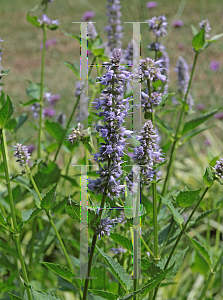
<point x="205" y="214"/>
<point x="39" y="295"/>
<point x="49" y="200"/>
<point x="199" y="40"/>
<point x="196" y="122"/>
<point x="6" y="112"/>
<point x="176" y="215"/>
<point x="28" y="215"/>
<point x="199" y="247"/>
<point x="104" y="295"/>
<point x="14" y="297"/>
<point x="208" y="176"/>
<point x="117" y="270"/>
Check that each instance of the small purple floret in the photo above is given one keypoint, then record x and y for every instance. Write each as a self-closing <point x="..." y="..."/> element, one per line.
<point x="214" y="65"/>
<point x="151" y="4"/>
<point x="88" y="15"/>
<point x="177" y="23"/>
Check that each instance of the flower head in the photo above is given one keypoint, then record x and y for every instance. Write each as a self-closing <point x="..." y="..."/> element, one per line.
<point x="46" y="20"/>
<point x="177" y="23"/>
<point x="150" y="103"/>
<point x="182" y="70"/>
<point x="92" y="32"/>
<point x="118" y="250"/>
<point x="114" y="110"/>
<point x="22" y="153"/>
<point x="206" y="25"/>
<point x="52" y="99"/>
<point x="219" y="168"/>
<point x="114" y="29"/>
<point x="214" y="65"/>
<point x="151" y="4"/>
<point x="219" y="116"/>
<point x="77" y="134"/>
<point x="158" y="25"/>
<point x="31" y="148"/>
<point x="156" y="47"/>
<point x="150" y="69"/>
<point x="49" y="42"/>
<point x="88" y="15"/>
<point x="48" y="112"/>
<point x="147" y="155"/>
<point x="105" y="227"/>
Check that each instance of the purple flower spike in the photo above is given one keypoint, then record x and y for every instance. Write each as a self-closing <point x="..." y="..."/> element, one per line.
<point x="21" y="152"/>
<point x="219" y="116"/>
<point x="158" y="25"/>
<point x="52" y="99"/>
<point x="49" y="42"/>
<point x="207" y="143"/>
<point x="177" y="23"/>
<point x="219" y="168"/>
<point x="201" y="106"/>
<point x="48" y="112"/>
<point x="31" y="148"/>
<point x="105" y="227"/>
<point x="214" y="65"/>
<point x="88" y="15"/>
<point x="151" y="4"/>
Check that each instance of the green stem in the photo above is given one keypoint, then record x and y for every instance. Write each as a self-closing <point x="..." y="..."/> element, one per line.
<point x="51" y="221"/>
<point x="147" y="247"/>
<point x="41" y="92"/>
<point x="71" y="116"/>
<point x="211" y="274"/>
<point x="180" y="235"/>
<point x="176" y="138"/>
<point x="34" y="230"/>
<point x="14" y="222"/>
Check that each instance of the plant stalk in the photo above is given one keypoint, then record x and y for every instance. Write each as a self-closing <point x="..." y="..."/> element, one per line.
<point x="41" y="92"/>
<point x="176" y="138"/>
<point x="180" y="235"/>
<point x="14" y="222"/>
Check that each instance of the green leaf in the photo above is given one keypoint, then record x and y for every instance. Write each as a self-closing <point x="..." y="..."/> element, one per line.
<point x="164" y="127"/>
<point x="10" y="250"/>
<point x="164" y="99"/>
<point x="199" y="247"/>
<point x="176" y="215"/>
<point x="28" y="215"/>
<point x="208" y="176"/>
<point x="176" y="261"/>
<point x="36" y="197"/>
<point x="194" y="30"/>
<point x="14" y="297"/>
<point x="164" y="233"/>
<point x="98" y="51"/>
<point x="4" y="223"/>
<point x="63" y="272"/>
<point x="11" y="125"/>
<point x="34" y="89"/>
<point x="150" y="285"/>
<point x="33" y="20"/>
<point x="33" y="101"/>
<point x="20" y="121"/>
<point x="187" y="198"/>
<point x="196" y="122"/>
<point x="55" y="129"/>
<point x="39" y="295"/>
<point x="205" y="214"/>
<point x="71" y="35"/>
<point x="49" y="200"/>
<point x="122" y="240"/>
<point x="199" y="40"/>
<point x="5" y="72"/>
<point x="215" y="38"/>
<point x="104" y="295"/>
<point x="117" y="270"/>
<point x="72" y="67"/>
<point x="73" y="210"/>
<point x="6" y="112"/>
<point x="193" y="133"/>
<point x="199" y="264"/>
<point x="70" y="179"/>
<point x="47" y="175"/>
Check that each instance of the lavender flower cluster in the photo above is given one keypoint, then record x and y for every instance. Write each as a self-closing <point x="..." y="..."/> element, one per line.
<point x="149" y="69"/>
<point x="147" y="155"/>
<point x="47" y="21"/>
<point x="77" y="134"/>
<point x="114" y="28"/>
<point x="47" y="111"/>
<point x="22" y="153"/>
<point x="114" y="111"/>
<point x="219" y="168"/>
<point x="206" y="25"/>
<point x="105" y="226"/>
<point x="158" y="25"/>
<point x="150" y="103"/>
<point x="182" y="70"/>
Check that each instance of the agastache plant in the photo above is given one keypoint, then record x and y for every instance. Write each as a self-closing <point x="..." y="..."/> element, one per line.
<point x="114" y="28"/>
